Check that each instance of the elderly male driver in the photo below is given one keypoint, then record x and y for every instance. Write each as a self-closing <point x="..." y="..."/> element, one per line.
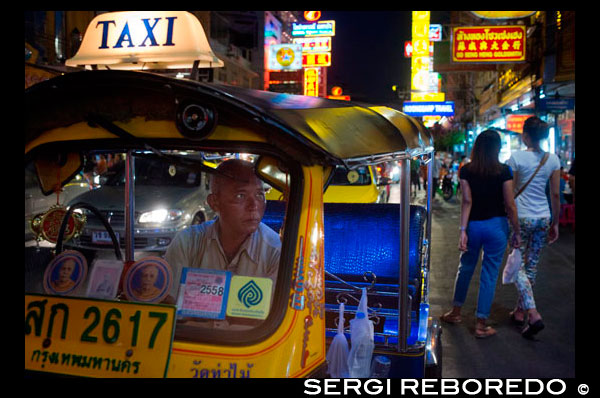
<point x="236" y="240"/>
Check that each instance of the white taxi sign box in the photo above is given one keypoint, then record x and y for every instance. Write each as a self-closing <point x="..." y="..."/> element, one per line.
<point x="145" y="40"/>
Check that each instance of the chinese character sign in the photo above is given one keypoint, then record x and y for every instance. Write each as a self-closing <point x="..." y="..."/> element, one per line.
<point x="316" y="59"/>
<point x="489" y="44"/>
<point x="311" y="82"/>
<point x="420" y="66"/>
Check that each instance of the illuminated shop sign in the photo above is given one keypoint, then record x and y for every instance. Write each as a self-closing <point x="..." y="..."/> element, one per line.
<point x="408" y="49"/>
<point x="314" y="44"/>
<point x="285" y="57"/>
<point x="427" y="97"/>
<point x="556" y="104"/>
<point x="419" y="109"/>
<point x="320" y="28"/>
<point x="311" y="82"/>
<point x="312" y="15"/>
<point x="515" y="122"/>
<point x="489" y="43"/>
<point x="316" y="59"/>
<point x="336" y="93"/>
<point x="435" y="32"/>
<point x="503" y="14"/>
<point x="420" y="60"/>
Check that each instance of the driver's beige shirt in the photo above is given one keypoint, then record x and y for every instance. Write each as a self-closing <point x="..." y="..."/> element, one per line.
<point x="198" y="246"/>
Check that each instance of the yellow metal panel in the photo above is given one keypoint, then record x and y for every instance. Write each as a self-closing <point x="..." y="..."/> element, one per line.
<point x="297" y="347"/>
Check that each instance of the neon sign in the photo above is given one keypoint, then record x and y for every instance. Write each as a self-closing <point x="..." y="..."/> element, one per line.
<point x="419" y="109"/>
<point x="314" y="44"/>
<point x="311" y="82"/>
<point x="420" y="58"/>
<point x="316" y="59"/>
<point x="321" y="28"/>
<point x="489" y="43"/>
<point x="312" y="15"/>
<point x="285" y="57"/>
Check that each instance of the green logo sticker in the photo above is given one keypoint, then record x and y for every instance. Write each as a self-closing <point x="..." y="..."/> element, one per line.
<point x="249" y="297"/>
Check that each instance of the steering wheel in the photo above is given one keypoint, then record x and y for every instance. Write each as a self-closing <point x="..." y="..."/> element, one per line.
<point x="83" y="205"/>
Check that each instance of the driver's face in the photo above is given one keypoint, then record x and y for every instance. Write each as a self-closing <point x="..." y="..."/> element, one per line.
<point x="240" y="205"/>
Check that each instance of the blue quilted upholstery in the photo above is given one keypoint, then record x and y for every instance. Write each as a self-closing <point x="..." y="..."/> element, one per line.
<point x="363" y="237"/>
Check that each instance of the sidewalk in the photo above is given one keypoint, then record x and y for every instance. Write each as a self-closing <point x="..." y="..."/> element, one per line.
<point x="508" y="354"/>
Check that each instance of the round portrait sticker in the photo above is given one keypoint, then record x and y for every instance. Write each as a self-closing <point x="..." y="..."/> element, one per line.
<point x="148" y="280"/>
<point x="65" y="273"/>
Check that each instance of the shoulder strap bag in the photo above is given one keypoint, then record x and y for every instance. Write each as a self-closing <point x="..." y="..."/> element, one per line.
<point x="546" y="156"/>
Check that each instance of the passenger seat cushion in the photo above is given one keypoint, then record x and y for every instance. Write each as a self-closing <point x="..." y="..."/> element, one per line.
<point x="361" y="237"/>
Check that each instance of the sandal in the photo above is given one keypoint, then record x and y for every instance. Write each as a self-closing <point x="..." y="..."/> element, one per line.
<point x="449" y="317"/>
<point x="484" y="332"/>
<point x="515" y="321"/>
<point x="532" y="329"/>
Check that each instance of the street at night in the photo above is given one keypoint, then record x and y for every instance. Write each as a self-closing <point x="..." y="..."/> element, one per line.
<point x="340" y="197"/>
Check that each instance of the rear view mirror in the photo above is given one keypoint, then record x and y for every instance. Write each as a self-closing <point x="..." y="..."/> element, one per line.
<point x="56" y="169"/>
<point x="273" y="172"/>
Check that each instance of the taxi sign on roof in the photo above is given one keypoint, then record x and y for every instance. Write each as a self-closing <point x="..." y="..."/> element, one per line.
<point x="145" y="40"/>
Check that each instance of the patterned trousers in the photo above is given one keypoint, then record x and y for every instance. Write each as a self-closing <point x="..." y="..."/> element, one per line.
<point x="534" y="232"/>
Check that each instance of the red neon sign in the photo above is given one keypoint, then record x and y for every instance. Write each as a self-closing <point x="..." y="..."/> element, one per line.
<point x="312" y="15"/>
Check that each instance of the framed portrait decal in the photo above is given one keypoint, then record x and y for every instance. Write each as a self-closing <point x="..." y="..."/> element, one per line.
<point x="148" y="280"/>
<point x="65" y="273"/>
<point x="104" y="279"/>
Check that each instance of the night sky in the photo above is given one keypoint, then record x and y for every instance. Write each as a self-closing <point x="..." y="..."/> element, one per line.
<point x="368" y="52"/>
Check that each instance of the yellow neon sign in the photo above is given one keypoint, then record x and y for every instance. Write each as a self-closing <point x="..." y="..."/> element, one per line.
<point x="311" y="82"/>
<point x="420" y="60"/>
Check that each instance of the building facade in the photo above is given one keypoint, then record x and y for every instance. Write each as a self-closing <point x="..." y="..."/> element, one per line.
<point x="503" y="95"/>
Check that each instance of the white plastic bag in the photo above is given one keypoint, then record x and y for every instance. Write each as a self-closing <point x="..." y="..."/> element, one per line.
<point x="362" y="341"/>
<point x="511" y="269"/>
<point x="337" y="355"/>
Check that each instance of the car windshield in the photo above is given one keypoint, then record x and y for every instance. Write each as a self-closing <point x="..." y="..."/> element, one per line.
<point x="358" y="176"/>
<point x="172" y="213"/>
<point x="151" y="172"/>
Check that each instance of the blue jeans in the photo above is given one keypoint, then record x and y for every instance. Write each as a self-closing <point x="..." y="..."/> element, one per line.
<point x="492" y="236"/>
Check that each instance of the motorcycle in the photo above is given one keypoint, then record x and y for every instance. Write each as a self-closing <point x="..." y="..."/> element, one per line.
<point x="447" y="187"/>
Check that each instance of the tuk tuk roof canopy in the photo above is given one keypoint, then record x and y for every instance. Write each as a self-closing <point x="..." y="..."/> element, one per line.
<point x="310" y="129"/>
<point x="145" y="40"/>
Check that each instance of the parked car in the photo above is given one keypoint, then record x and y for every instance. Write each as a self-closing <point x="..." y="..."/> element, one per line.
<point x="168" y="198"/>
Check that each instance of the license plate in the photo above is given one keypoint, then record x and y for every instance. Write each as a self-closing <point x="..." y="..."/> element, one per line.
<point x="102" y="237"/>
<point x="97" y="338"/>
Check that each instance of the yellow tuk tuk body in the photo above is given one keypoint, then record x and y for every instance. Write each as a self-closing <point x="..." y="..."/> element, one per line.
<point x="179" y="128"/>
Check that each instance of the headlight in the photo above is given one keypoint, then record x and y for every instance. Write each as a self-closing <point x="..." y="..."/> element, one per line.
<point x="160" y="215"/>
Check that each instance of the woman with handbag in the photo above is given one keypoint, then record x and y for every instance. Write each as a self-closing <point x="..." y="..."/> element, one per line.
<point x="487" y="200"/>
<point x="532" y="170"/>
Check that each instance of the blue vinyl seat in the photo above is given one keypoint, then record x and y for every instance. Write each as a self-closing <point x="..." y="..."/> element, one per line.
<point x="362" y="237"/>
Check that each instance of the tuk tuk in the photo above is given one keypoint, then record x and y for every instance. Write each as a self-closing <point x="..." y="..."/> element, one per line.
<point x="84" y="313"/>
